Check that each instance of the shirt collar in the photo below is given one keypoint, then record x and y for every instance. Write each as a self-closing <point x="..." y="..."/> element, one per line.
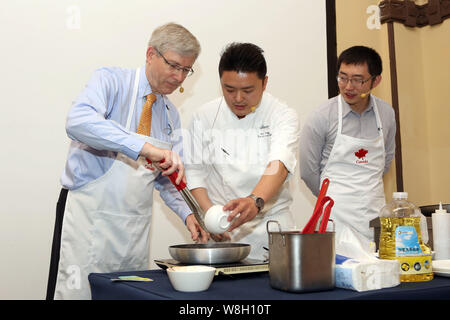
<point x="144" y="86"/>
<point x="346" y="108"/>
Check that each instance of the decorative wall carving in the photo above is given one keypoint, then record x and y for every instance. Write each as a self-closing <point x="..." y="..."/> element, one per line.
<point x="413" y="15"/>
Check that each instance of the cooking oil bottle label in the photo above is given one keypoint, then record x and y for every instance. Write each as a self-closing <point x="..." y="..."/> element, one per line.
<point x="407" y="242"/>
<point x="408" y="252"/>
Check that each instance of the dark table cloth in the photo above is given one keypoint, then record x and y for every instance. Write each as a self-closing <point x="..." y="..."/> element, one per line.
<point x="255" y="286"/>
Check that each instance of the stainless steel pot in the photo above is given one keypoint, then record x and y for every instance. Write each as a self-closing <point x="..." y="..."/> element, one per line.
<point x="301" y="262"/>
<point x="210" y="253"/>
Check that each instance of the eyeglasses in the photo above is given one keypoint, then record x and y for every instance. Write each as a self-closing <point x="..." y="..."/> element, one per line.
<point x="356" y="82"/>
<point x="184" y="70"/>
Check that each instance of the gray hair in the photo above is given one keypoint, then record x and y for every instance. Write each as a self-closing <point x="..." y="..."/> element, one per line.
<point x="175" y="37"/>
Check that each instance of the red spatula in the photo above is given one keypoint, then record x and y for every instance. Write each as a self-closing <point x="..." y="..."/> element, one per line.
<point x="311" y="225"/>
<point x="323" y="192"/>
<point x="326" y="215"/>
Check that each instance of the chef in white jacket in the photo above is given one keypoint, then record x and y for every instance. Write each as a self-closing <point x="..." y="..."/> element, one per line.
<point x="241" y="150"/>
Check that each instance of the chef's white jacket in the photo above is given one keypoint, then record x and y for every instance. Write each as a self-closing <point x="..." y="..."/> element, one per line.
<point x="227" y="155"/>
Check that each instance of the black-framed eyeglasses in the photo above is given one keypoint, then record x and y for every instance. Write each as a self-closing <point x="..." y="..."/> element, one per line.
<point x="184" y="70"/>
<point x="356" y="82"/>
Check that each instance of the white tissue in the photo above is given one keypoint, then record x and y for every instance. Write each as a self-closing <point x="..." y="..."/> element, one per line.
<point x="441" y="235"/>
<point x="362" y="271"/>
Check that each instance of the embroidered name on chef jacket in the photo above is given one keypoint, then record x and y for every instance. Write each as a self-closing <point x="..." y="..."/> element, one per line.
<point x="361" y="156"/>
<point x="264" y="131"/>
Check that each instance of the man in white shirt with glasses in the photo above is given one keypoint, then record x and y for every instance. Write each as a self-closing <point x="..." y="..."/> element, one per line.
<point x="350" y="139"/>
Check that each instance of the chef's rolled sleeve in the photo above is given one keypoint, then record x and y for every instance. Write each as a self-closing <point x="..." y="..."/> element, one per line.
<point x="284" y="140"/>
<point x="195" y="154"/>
<point x="195" y="177"/>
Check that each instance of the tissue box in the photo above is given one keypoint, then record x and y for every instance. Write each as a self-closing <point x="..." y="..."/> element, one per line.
<point x="366" y="275"/>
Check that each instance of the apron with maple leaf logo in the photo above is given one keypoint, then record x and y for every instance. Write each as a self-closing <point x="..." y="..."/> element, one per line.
<point x="355" y="170"/>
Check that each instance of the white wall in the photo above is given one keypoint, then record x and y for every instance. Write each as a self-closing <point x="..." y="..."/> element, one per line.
<point x="49" y="50"/>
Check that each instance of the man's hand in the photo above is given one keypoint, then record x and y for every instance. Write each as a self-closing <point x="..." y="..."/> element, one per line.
<point x="167" y="161"/>
<point x="221" y="237"/>
<point x="244" y="208"/>
<point x="197" y="233"/>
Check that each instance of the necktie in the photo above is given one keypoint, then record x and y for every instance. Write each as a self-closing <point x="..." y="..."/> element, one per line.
<point x="145" y="121"/>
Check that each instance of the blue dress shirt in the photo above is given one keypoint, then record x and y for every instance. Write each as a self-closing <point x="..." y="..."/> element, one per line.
<point x="97" y="126"/>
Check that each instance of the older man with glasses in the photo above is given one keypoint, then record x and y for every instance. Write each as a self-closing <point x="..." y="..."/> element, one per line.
<point x="121" y="118"/>
<point x="350" y="140"/>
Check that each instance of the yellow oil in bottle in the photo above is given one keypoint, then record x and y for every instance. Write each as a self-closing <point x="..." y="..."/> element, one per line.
<point x="415" y="260"/>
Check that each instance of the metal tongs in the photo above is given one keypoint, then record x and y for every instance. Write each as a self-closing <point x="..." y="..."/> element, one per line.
<point x="318" y="210"/>
<point x="187" y="196"/>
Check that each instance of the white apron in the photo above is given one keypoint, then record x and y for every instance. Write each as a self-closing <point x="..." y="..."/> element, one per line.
<point x="355" y="170"/>
<point x="107" y="222"/>
<point x="232" y="178"/>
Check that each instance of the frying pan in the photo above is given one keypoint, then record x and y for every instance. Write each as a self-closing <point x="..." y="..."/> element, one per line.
<point x="210" y="253"/>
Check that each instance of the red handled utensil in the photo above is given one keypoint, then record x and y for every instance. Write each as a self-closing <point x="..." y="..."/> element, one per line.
<point x="311" y="225"/>
<point x="321" y="200"/>
<point x="322" y="192"/>
<point x="326" y="214"/>
<point x="187" y="196"/>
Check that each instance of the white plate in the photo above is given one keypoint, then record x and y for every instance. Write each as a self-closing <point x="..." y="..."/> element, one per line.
<point x="441" y="267"/>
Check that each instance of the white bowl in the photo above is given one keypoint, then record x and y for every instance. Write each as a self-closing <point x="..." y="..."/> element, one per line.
<point x="191" y="278"/>
<point x="216" y="219"/>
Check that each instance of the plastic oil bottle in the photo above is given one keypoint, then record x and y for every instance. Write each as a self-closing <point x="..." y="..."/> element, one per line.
<point x="401" y="239"/>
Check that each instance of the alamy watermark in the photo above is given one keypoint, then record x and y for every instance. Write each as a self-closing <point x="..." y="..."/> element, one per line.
<point x="373" y="21"/>
<point x="73" y="281"/>
<point x="223" y="148"/>
<point x="73" y="18"/>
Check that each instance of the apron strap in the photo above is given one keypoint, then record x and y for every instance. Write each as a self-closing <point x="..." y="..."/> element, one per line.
<point x="377" y="116"/>
<point x="132" y="107"/>
<point x="133" y="99"/>
<point x="339" y="130"/>
<point x="169" y="118"/>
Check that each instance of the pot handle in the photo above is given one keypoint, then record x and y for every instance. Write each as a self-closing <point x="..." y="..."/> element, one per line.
<point x="334" y="225"/>
<point x="273" y="221"/>
<point x="267" y="228"/>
